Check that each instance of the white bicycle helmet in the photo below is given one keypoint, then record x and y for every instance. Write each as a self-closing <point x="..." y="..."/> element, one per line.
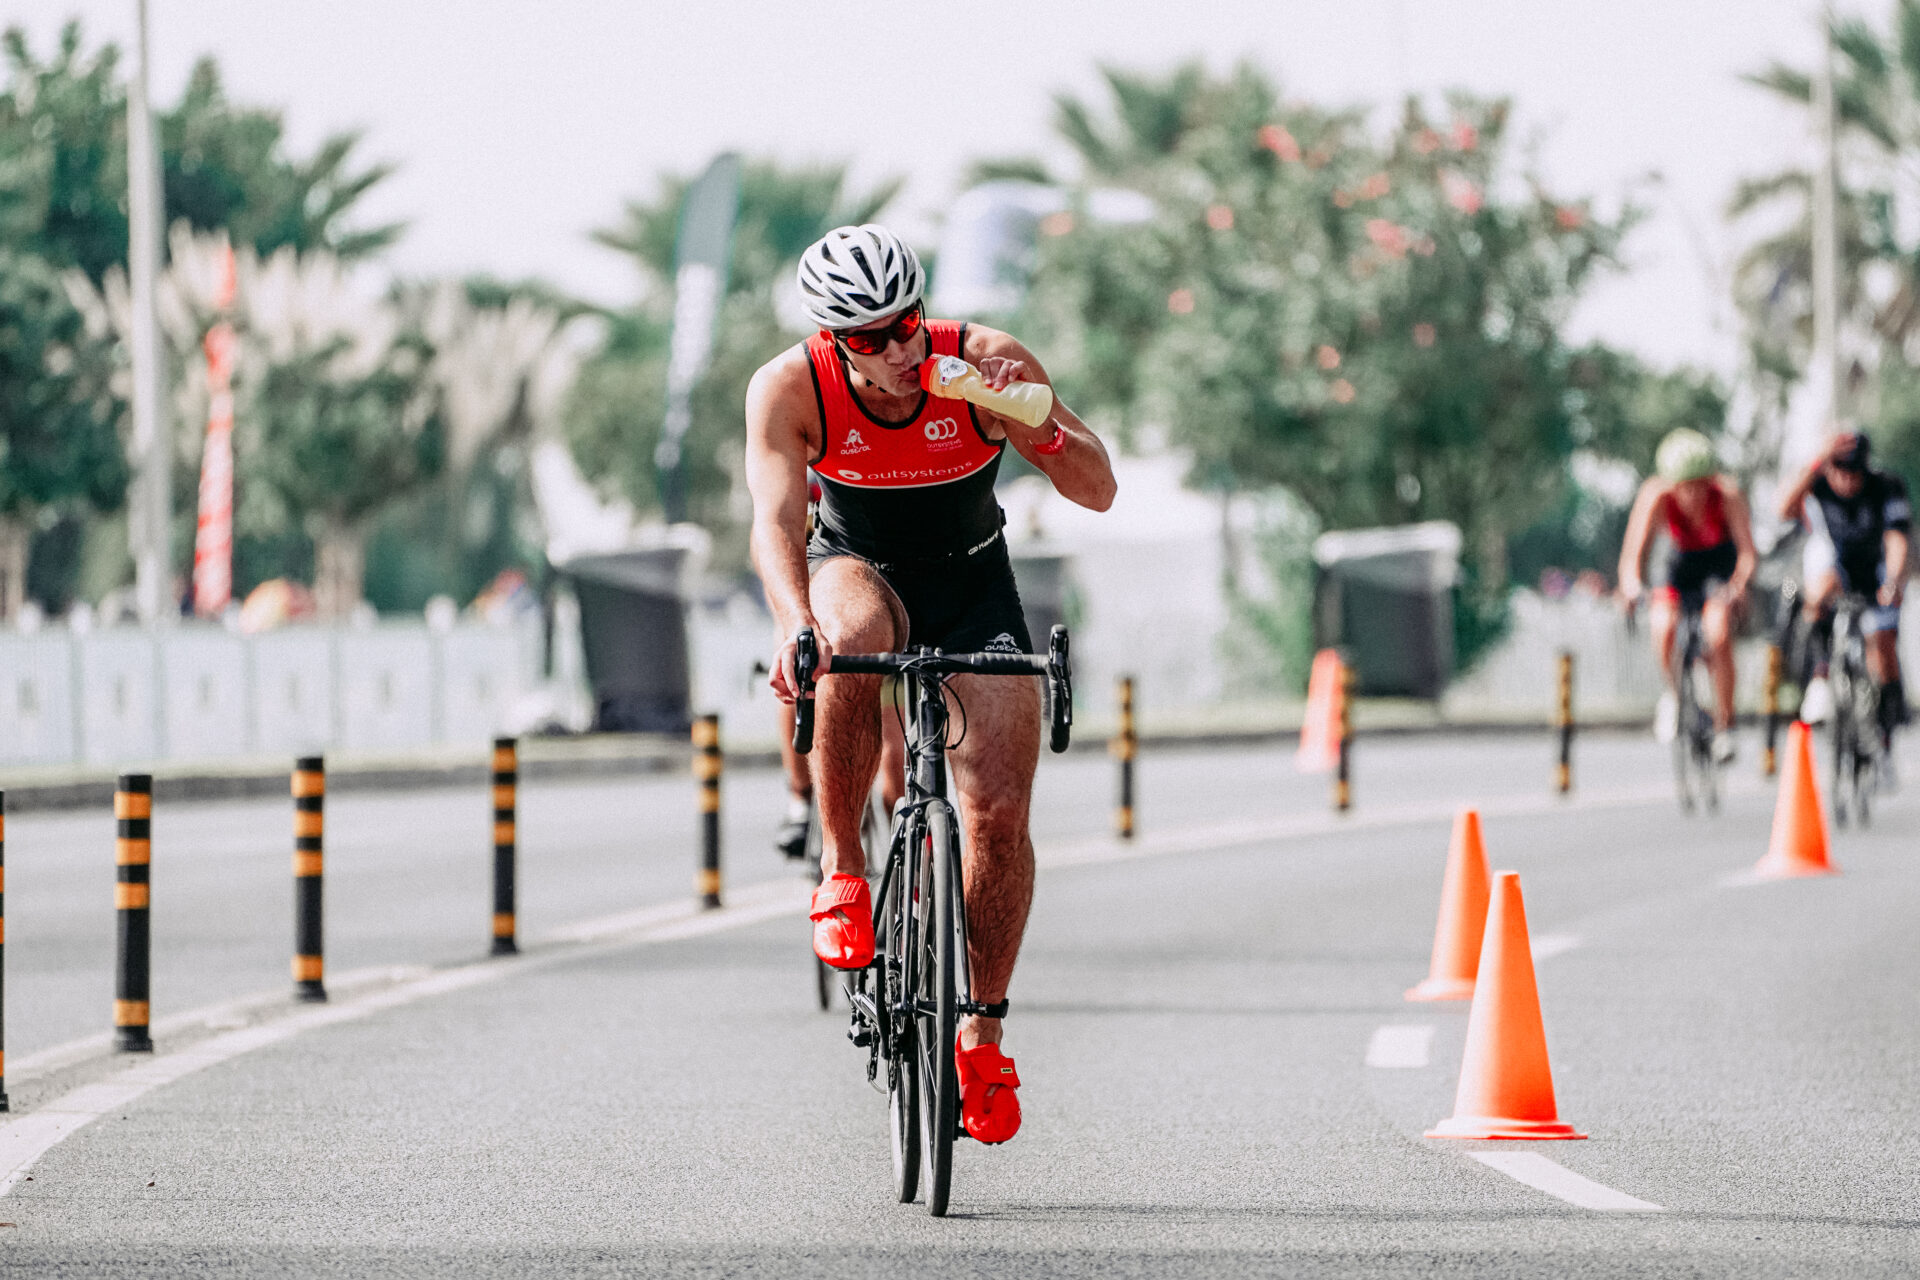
<point x="854" y="276"/>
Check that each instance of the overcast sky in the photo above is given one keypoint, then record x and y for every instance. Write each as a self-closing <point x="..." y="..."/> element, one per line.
<point x="518" y="125"/>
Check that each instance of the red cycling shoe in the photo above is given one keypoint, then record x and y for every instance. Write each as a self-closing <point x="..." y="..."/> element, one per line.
<point x="842" y="915"/>
<point x="988" y="1106"/>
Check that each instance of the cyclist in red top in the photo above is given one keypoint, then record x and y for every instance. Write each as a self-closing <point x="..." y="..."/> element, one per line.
<point x="1711" y="562"/>
<point x="907" y="550"/>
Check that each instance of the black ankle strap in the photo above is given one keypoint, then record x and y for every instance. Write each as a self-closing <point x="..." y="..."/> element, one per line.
<point x="994" y="1010"/>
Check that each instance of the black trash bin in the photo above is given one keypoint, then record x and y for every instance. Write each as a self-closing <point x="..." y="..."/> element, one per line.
<point x="1385" y="596"/>
<point x="633" y="629"/>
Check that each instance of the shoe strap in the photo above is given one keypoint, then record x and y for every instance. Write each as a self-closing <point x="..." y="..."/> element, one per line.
<point x="840" y="892"/>
<point x="985" y="1064"/>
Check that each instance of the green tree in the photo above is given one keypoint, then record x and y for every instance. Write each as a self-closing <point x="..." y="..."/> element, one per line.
<point x="1367" y="322"/>
<point x="1877" y="101"/>
<point x="59" y="450"/>
<point x="614" y="417"/>
<point x="341" y="415"/>
<point x="63" y="164"/>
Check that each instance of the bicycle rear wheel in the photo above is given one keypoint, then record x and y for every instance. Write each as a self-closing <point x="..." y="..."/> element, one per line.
<point x="938" y="1001"/>
<point x="1686" y="775"/>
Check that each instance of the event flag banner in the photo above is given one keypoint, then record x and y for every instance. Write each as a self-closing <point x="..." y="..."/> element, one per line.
<point x="701" y="256"/>
<point x="213" y="536"/>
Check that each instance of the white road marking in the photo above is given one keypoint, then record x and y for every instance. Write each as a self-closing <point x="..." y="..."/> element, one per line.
<point x="1549" y="945"/>
<point x="26" y="1138"/>
<point x="1399" y="1047"/>
<point x="1542" y="1174"/>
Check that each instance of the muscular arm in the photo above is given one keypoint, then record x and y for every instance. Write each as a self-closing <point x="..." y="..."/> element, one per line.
<point x="1081" y="470"/>
<point x="1897" y="545"/>
<point x="779" y="409"/>
<point x="1633" y="547"/>
<point x="1793" y="501"/>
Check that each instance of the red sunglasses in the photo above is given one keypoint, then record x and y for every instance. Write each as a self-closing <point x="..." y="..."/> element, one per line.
<point x="871" y="342"/>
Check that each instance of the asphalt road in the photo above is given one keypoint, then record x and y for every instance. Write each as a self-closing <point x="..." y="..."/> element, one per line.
<point x="1192" y="1020"/>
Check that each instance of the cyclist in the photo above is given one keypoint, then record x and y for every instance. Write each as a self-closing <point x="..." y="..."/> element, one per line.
<point x="1859" y="523"/>
<point x="1708" y="570"/>
<point x="907" y="550"/>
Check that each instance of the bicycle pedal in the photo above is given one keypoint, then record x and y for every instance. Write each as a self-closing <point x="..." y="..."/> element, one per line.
<point x="862" y="1037"/>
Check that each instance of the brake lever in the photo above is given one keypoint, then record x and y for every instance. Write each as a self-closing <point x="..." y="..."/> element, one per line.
<point x="806" y="658"/>
<point x="1059" y="691"/>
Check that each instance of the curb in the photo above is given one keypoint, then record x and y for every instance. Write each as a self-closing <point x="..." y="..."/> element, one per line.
<point x="644" y="755"/>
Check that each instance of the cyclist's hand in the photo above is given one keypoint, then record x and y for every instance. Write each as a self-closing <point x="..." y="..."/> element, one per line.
<point x="1630" y="593"/>
<point x="785" y="677"/>
<point x="1892" y="593"/>
<point x="998" y="371"/>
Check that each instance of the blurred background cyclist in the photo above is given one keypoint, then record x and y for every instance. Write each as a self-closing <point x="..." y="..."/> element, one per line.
<point x="1858" y="523"/>
<point x="1711" y="562"/>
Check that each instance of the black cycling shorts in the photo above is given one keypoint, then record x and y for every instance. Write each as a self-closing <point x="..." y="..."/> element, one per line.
<point x="1691" y="573"/>
<point x="963" y="603"/>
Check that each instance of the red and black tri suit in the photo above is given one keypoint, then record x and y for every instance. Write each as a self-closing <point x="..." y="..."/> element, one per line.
<point x="915" y="500"/>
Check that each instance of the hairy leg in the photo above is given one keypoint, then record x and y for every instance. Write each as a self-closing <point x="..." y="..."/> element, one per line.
<point x="1883" y="656"/>
<point x="1665" y="619"/>
<point x="993" y="776"/>
<point x="860" y="614"/>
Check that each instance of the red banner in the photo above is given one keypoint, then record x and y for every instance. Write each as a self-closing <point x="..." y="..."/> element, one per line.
<point x="213" y="538"/>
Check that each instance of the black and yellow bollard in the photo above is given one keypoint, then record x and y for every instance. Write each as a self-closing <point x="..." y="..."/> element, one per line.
<point x="132" y="856"/>
<point x="506" y="786"/>
<point x="1563" y="721"/>
<point x="3" y="953"/>
<point x="309" y="833"/>
<point x="1770" y="705"/>
<point x="1343" y="719"/>
<point x="1125" y="747"/>
<point x="706" y="771"/>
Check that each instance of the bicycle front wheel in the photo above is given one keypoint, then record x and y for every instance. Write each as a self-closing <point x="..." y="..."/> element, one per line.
<point x="893" y="932"/>
<point x="938" y="1005"/>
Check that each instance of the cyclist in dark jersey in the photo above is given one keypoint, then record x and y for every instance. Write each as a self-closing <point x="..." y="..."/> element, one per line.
<point x="1711" y="561"/>
<point x="1859" y="524"/>
<point x="907" y="550"/>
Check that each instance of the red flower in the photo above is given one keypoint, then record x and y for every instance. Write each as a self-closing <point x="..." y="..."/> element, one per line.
<point x="1568" y="218"/>
<point x="1424" y="334"/>
<point x="1180" y="302"/>
<point x="1220" y="217"/>
<point x="1465" y="136"/>
<point x="1462" y="193"/>
<point x="1389" y="237"/>
<point x="1426" y="142"/>
<point x="1276" y="139"/>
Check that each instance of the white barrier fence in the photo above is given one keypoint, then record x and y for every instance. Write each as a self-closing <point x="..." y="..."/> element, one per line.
<point x="194" y="693"/>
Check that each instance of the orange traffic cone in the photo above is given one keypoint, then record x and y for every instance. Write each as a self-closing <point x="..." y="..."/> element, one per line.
<point x="1320" y="731"/>
<point x="1506" y="1086"/>
<point x="1463" y="916"/>
<point x="1799" y="844"/>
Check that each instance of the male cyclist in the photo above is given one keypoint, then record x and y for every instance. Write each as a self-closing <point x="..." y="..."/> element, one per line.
<point x="907" y="550"/>
<point x="1711" y="561"/>
<point x="1859" y="522"/>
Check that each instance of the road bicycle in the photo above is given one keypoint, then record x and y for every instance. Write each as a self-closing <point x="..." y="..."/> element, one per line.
<point x="1856" y="715"/>
<point x="1696" y="774"/>
<point x="907" y="1004"/>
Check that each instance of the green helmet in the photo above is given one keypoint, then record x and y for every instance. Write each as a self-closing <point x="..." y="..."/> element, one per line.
<point x="1685" y="455"/>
